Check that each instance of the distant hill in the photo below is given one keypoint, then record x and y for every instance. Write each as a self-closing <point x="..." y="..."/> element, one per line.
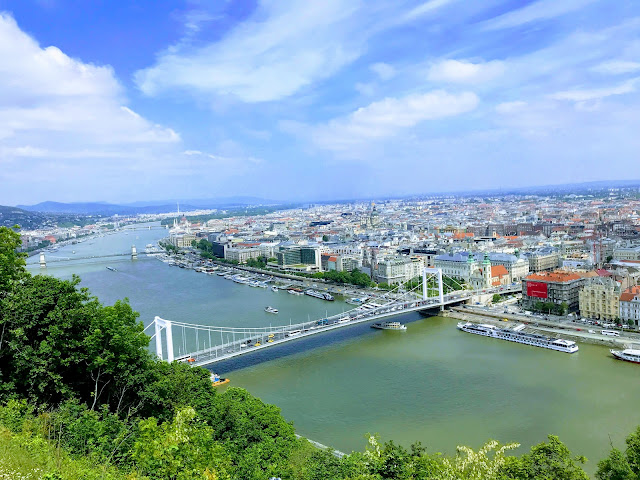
<point x="108" y="209"/>
<point x="10" y="216"/>
<point x="103" y="209"/>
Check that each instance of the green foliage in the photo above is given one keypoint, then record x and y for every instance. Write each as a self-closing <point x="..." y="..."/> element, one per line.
<point x="59" y="343"/>
<point x="253" y="431"/>
<point x="170" y="386"/>
<point x="355" y="277"/>
<point x="12" y="264"/>
<point x="26" y="456"/>
<point x="615" y="467"/>
<point x="260" y="262"/>
<point x="546" y="461"/>
<point x="182" y="449"/>
<point x="619" y="466"/>
<point x="551" y="307"/>
<point x="497" y="298"/>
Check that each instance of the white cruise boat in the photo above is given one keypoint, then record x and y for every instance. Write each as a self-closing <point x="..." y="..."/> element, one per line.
<point x="532" y="339"/>
<point x="389" y="326"/>
<point x="271" y="310"/>
<point x="628" y="355"/>
<point x="320" y="295"/>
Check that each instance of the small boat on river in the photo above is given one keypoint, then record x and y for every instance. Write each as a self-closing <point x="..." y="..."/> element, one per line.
<point x="271" y="310"/>
<point x="216" y="380"/>
<point x="389" y="326"/>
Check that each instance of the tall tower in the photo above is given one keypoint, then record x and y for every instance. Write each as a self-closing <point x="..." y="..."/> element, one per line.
<point x="486" y="270"/>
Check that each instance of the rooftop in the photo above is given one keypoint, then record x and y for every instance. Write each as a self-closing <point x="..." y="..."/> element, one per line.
<point x="558" y="276"/>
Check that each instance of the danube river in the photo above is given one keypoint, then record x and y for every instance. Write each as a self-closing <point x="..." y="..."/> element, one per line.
<point x="431" y="383"/>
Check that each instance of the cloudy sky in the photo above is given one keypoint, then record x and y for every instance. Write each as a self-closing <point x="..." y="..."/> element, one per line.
<point x="291" y="99"/>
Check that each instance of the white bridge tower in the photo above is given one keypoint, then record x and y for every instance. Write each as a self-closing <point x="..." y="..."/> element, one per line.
<point x="161" y="324"/>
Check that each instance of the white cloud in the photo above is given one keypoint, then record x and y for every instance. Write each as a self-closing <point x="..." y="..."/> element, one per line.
<point x="617" y="67"/>
<point x="283" y="47"/>
<point x="67" y="121"/>
<point x="424" y="9"/>
<point x="48" y="96"/>
<point x="383" y="70"/>
<point x="510" y="107"/>
<point x="366" y="89"/>
<point x="540" y="10"/>
<point x="595" y="93"/>
<point x="387" y="117"/>
<point x="456" y="71"/>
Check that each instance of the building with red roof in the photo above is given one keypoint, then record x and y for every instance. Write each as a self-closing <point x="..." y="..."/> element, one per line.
<point x="558" y="286"/>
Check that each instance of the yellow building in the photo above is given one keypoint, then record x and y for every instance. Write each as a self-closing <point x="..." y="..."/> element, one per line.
<point x="600" y="299"/>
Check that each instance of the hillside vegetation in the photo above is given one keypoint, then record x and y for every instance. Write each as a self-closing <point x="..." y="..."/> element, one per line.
<point x="81" y="397"/>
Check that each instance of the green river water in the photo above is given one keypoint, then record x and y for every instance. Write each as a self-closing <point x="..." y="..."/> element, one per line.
<point x="431" y="383"/>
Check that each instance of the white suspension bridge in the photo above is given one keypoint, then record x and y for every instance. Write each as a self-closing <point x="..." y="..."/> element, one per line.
<point x="214" y="343"/>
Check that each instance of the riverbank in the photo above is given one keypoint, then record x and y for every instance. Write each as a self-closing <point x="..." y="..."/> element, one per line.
<point x="540" y="327"/>
<point x="293" y="280"/>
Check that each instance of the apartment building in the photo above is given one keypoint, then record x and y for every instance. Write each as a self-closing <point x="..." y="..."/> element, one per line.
<point x="557" y="287"/>
<point x="630" y="306"/>
<point x="627" y="253"/>
<point x="543" y="261"/>
<point x="600" y="299"/>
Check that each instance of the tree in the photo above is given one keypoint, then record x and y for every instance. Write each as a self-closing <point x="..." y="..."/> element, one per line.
<point x="496" y="298"/>
<point x="615" y="467"/>
<point x="546" y="461"/>
<point x="254" y="431"/>
<point x="59" y="343"/>
<point x="182" y="449"/>
<point x="12" y="264"/>
<point x="325" y="238"/>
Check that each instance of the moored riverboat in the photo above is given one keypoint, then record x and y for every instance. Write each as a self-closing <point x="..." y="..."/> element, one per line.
<point x="628" y="355"/>
<point x="320" y="295"/>
<point x="535" y="340"/>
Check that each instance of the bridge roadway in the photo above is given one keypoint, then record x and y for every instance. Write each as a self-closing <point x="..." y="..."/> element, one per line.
<point x="52" y="259"/>
<point x="261" y="338"/>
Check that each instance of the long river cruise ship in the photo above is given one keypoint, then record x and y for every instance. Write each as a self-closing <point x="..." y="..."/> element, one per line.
<point x="519" y="336"/>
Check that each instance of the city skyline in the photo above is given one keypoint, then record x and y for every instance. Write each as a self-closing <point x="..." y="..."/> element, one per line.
<point x="332" y="100"/>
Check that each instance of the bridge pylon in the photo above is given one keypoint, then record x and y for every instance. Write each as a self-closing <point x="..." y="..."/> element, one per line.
<point x="161" y="324"/>
<point x="43" y="261"/>
<point x="436" y="273"/>
<point x="134" y="252"/>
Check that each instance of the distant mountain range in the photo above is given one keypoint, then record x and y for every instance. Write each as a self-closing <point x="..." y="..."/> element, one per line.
<point x="108" y="209"/>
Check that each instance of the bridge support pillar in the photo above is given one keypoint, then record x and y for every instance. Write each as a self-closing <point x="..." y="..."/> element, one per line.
<point x="166" y="325"/>
<point x="43" y="261"/>
<point x="425" y="292"/>
<point x="134" y="252"/>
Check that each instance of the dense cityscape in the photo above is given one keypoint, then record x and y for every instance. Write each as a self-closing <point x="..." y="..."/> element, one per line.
<point x="585" y="248"/>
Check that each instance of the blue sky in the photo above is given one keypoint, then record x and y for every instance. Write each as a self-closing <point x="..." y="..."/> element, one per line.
<point x="295" y="100"/>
